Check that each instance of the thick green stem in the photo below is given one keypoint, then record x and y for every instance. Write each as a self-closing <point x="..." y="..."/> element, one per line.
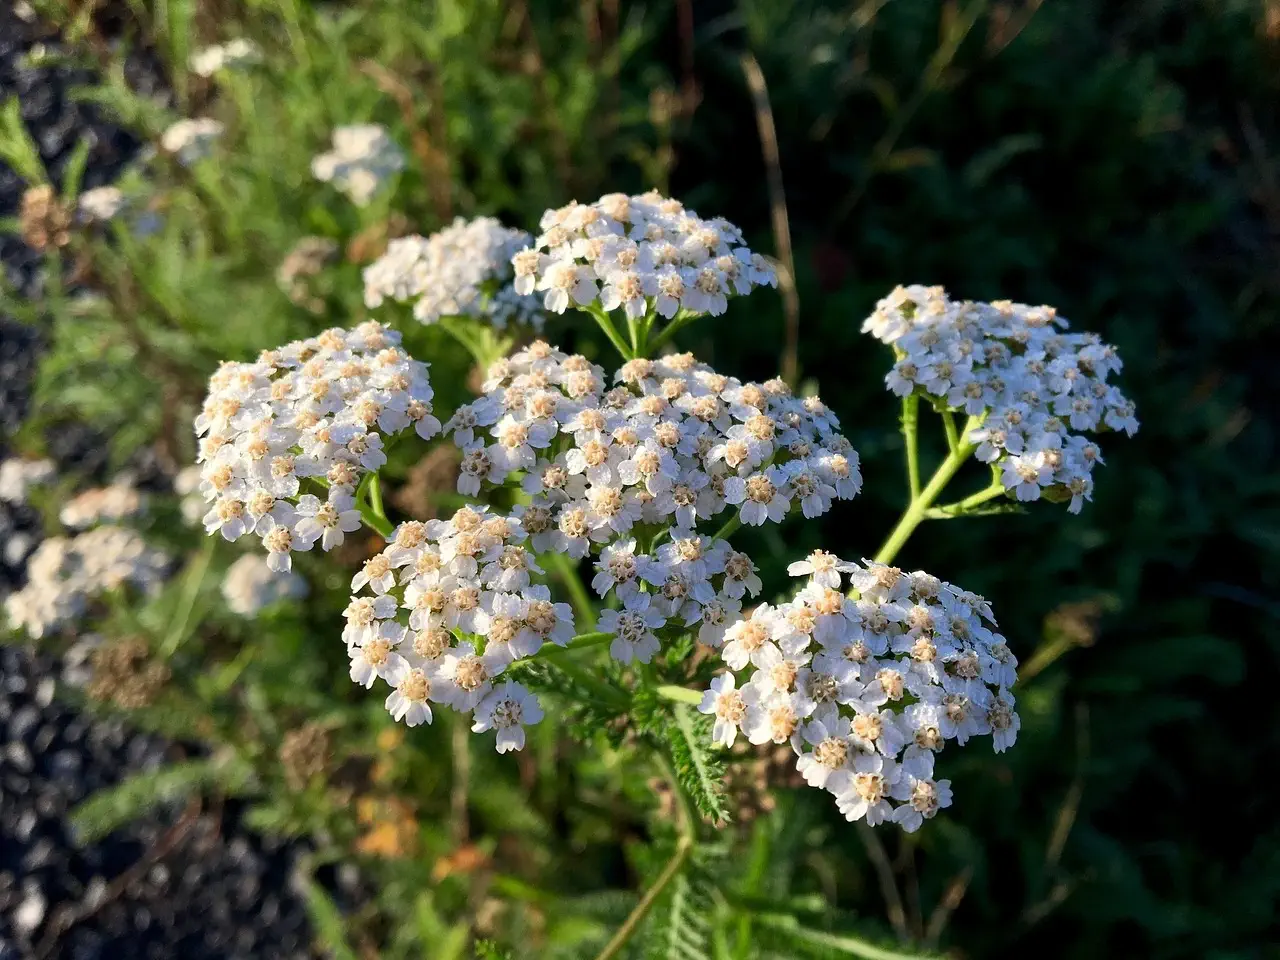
<point x="921" y="503"/>
<point x="910" y="438"/>
<point x="369" y="503"/>
<point x="961" y="507"/>
<point x="679" y="694"/>
<point x="730" y="527"/>
<point x="610" y="331"/>
<point x="679" y="320"/>
<point x="949" y="423"/>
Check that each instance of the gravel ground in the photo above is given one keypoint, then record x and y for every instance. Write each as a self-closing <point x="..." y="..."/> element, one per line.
<point x="189" y="883"/>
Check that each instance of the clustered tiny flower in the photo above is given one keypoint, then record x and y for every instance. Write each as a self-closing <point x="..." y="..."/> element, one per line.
<point x="250" y="586"/>
<point x="110" y="504"/>
<point x="363" y="158"/>
<point x="462" y="270"/>
<point x="65" y="573"/>
<point x="313" y="414"/>
<point x="443" y="611"/>
<point x="1034" y="387"/>
<point x="191" y="140"/>
<point x="866" y="691"/>
<point x="638" y="254"/>
<point x="18" y="477"/>
<point x="231" y="55"/>
<point x="100" y="204"/>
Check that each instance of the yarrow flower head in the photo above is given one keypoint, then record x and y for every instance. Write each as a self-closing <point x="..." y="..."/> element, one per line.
<point x="119" y="501"/>
<point x="462" y="270"/>
<point x="866" y="691"/>
<point x="250" y="586"/>
<point x="315" y="412"/>
<point x="644" y="254"/>
<point x="444" y="610"/>
<point x="224" y="56"/>
<point x="191" y="140"/>
<point x="18" y="477"/>
<point x="1032" y="387"/>
<point x="362" y="159"/>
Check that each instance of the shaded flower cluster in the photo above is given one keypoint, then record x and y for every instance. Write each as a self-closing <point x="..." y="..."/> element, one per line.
<point x="867" y="690"/>
<point x="638" y="254"/>
<point x="673" y="445"/>
<point x="462" y="270"/>
<point x="314" y="412"/>
<point x="231" y="55"/>
<point x="250" y="586"/>
<point x="66" y="573"/>
<point x="362" y="159"/>
<point x="191" y="140"/>
<point x="1034" y="386"/>
<point x="110" y="504"/>
<point x="443" y="611"/>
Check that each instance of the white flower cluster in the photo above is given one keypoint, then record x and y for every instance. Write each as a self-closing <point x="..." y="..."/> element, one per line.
<point x="250" y="586"/>
<point x="442" y="612"/>
<point x="638" y="254"/>
<point x="462" y="270"/>
<point x="191" y="140"/>
<point x="1036" y="383"/>
<point x="673" y="444"/>
<point x="362" y="159"/>
<point x="315" y="411"/>
<point x="18" y="477"/>
<point x="224" y="56"/>
<point x="64" y="574"/>
<point x="119" y="501"/>
<point x="867" y="691"/>
<point x="100" y="204"/>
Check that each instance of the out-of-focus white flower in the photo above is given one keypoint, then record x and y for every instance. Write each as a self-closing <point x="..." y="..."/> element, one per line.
<point x="317" y="408"/>
<point x="17" y="477"/>
<point x="111" y="504"/>
<point x="250" y="586"/>
<point x="462" y="270"/>
<point x="643" y="255"/>
<point x="100" y="204"/>
<point x="186" y="484"/>
<point x="65" y="573"/>
<point x="1030" y="386"/>
<point x="362" y="159"/>
<point x="225" y="56"/>
<point x="191" y="140"/>
<point x="867" y="691"/>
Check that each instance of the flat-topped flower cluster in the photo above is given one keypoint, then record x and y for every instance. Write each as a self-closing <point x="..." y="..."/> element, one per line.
<point x="868" y="690"/>
<point x="463" y="270"/>
<point x="443" y="611"/>
<point x="312" y="414"/>
<point x="1039" y="385"/>
<point x="363" y="158"/>
<point x="638" y="254"/>
<point x="673" y="444"/>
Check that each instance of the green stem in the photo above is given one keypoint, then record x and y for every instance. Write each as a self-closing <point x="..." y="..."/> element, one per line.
<point x="610" y="331"/>
<point x="679" y="694"/>
<point x="681" y="319"/>
<point x="910" y="438"/>
<point x="730" y="527"/>
<point x="633" y="331"/>
<point x="920" y="504"/>
<point x="567" y="570"/>
<point x="961" y="507"/>
<point x="369" y="503"/>
<point x="949" y="423"/>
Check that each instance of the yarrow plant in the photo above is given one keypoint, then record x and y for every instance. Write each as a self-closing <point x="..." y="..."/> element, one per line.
<point x="363" y="158"/>
<point x="643" y="475"/>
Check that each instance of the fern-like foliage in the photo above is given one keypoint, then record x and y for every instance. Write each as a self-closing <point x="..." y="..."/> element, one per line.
<point x="698" y="766"/>
<point x="680" y="927"/>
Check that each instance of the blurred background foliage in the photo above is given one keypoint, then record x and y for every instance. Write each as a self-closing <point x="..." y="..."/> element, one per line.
<point x="1111" y="157"/>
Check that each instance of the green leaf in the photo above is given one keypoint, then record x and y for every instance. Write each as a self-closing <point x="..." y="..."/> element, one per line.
<point x="17" y="149"/>
<point x="330" y="925"/>
<point x="699" y="770"/>
<point x="800" y="939"/>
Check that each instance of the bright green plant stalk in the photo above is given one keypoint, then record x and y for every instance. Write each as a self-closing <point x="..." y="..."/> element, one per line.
<point x="910" y="431"/>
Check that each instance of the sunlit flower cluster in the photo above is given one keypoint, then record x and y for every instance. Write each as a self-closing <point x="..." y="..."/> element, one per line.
<point x="362" y="159"/>
<point x="1038" y="386"/>
<point x="100" y="204"/>
<point x="462" y="270"/>
<point x="66" y="573"/>
<point x="18" y="477"/>
<point x="673" y="444"/>
<point x="638" y="254"/>
<point x="444" y="610"/>
<point x="868" y="690"/>
<point x="191" y="140"/>
<point x="309" y="416"/>
<point x="250" y="586"/>
<point x="119" y="501"/>
<point x="224" y="56"/>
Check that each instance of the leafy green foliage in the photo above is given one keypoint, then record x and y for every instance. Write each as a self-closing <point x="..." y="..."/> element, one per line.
<point x="698" y="766"/>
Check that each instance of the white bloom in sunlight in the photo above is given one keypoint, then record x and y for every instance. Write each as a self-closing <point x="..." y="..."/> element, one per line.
<point x="362" y="159"/>
<point x="18" y="477"/>
<point x="191" y="140"/>
<point x="463" y="270"/>
<point x="309" y="416"/>
<point x="1018" y="374"/>
<point x="508" y="709"/>
<point x="226" y="56"/>
<point x="99" y="204"/>
<point x="250" y="586"/>
<point x="638" y="254"/>
<point x="867" y="691"/>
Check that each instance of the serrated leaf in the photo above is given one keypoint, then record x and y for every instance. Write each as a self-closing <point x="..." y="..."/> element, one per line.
<point x="699" y="770"/>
